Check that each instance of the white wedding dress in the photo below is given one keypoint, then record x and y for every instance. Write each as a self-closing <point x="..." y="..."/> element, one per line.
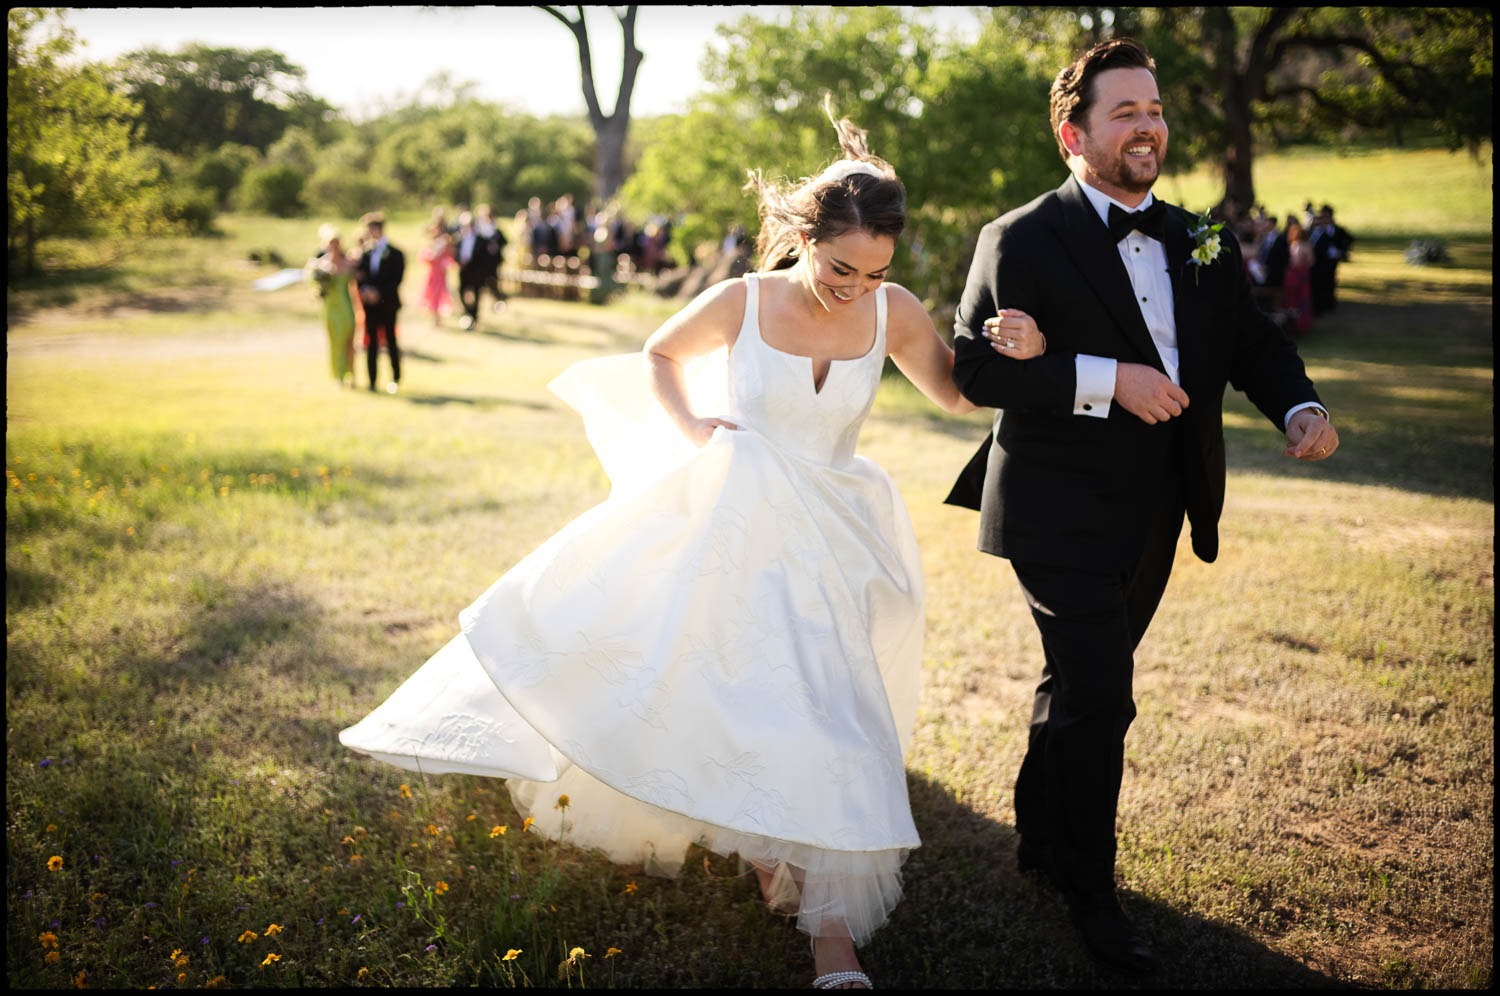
<point x="725" y="652"/>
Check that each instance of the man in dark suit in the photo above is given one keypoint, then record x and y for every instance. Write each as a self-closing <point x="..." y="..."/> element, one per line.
<point x="1275" y="255"/>
<point x="378" y="277"/>
<point x="1330" y="247"/>
<point x="472" y="251"/>
<point x="1104" y="442"/>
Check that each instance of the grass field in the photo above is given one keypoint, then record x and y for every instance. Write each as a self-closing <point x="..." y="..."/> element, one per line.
<point x="216" y="559"/>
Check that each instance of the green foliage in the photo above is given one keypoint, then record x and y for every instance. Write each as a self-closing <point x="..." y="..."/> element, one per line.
<point x="296" y="148"/>
<point x="201" y="97"/>
<point x="72" y="168"/>
<point x="220" y="170"/>
<point x="349" y="193"/>
<point x="275" y="188"/>
<point x="471" y="152"/>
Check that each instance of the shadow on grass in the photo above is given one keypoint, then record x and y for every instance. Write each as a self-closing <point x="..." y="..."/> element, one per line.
<point x="480" y="402"/>
<point x="970" y="919"/>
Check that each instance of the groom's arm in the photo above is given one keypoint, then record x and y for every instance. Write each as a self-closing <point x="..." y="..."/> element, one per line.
<point x="1000" y="277"/>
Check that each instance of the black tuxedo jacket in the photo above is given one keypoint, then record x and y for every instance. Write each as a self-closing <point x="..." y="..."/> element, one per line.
<point x="387" y="282"/>
<point x="1277" y="259"/>
<point x="481" y="260"/>
<point x="1077" y="491"/>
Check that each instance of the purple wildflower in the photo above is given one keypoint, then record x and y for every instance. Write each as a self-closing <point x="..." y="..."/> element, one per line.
<point x="515" y="895"/>
<point x="204" y="941"/>
<point x="99" y="923"/>
<point x="176" y="862"/>
<point x="67" y="760"/>
<point x="399" y="905"/>
<point x="430" y="947"/>
<point x="150" y="906"/>
<point x="45" y="762"/>
<point x="239" y="908"/>
<point x="320" y="921"/>
<point x="357" y="917"/>
<point x="27" y="895"/>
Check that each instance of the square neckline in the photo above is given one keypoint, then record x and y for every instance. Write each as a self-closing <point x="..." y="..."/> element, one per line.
<point x="752" y="311"/>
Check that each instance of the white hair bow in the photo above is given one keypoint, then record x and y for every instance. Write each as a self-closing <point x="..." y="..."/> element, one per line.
<point x="845" y="168"/>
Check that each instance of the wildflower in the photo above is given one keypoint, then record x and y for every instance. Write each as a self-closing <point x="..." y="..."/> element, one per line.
<point x="355" y="859"/>
<point x="216" y="982"/>
<point x="248" y="936"/>
<point x="578" y="953"/>
<point x="471" y="817"/>
<point x="561" y="803"/>
<point x="205" y="939"/>
<point x="394" y="814"/>
<point x="179" y="960"/>
<point x="357" y="917"/>
<point x="498" y="831"/>
<point x="612" y="952"/>
<point x="527" y="824"/>
<point x="150" y="906"/>
<point x="80" y="979"/>
<point x="360" y="833"/>
<point x="98" y="895"/>
<point x="511" y="954"/>
<point x="631" y="887"/>
<point x="440" y="888"/>
<point x="347" y="839"/>
<point x="51" y="827"/>
<point x="363" y="973"/>
<point x="405" y="791"/>
<point x="432" y="831"/>
<point x="48" y="939"/>
<point x="52" y="957"/>
<point x="181" y="976"/>
<point x="270" y="958"/>
<point x="273" y="930"/>
<point x="54" y="863"/>
<point x="430" y="947"/>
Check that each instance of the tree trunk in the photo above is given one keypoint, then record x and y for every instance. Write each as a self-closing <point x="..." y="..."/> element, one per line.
<point x="1239" y="188"/>
<point x="609" y="158"/>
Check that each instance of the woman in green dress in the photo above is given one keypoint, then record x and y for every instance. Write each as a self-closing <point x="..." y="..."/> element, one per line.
<point x="332" y="272"/>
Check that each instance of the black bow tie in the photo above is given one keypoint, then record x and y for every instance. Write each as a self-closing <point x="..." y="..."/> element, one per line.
<point x="1152" y="221"/>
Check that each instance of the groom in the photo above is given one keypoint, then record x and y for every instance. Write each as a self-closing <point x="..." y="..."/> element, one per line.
<point x="1104" y="442"/>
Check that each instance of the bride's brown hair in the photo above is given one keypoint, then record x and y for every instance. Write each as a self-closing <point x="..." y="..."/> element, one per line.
<point x="824" y="208"/>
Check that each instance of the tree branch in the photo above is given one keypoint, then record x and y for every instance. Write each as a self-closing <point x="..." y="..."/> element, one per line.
<point x="632" y="62"/>
<point x="585" y="61"/>
<point x="1258" y="65"/>
<point x="1390" y="71"/>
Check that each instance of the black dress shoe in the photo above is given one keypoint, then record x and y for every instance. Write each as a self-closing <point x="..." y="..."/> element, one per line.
<point x="1108" y="933"/>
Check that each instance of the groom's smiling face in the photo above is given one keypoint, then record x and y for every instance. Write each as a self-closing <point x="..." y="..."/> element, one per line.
<point x="1120" y="146"/>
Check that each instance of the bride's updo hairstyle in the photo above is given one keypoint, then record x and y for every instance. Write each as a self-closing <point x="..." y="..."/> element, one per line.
<point x="860" y="191"/>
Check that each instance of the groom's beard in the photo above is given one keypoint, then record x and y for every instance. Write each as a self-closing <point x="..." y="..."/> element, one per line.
<point x="1132" y="173"/>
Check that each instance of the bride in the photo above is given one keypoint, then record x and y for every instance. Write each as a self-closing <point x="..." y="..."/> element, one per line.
<point x="727" y="651"/>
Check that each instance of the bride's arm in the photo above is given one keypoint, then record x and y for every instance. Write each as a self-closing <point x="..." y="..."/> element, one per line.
<point x="927" y="361"/>
<point x="710" y="321"/>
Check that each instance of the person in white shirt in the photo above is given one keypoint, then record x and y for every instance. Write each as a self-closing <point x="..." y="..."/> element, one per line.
<point x="1104" y="443"/>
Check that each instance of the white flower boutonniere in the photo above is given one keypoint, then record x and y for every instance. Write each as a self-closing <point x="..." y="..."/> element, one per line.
<point x="1208" y="247"/>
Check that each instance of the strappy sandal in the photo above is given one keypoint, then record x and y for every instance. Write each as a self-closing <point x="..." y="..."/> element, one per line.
<point x="835" y="979"/>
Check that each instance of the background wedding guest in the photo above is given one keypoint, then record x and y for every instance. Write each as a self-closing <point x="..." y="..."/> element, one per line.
<point x="1330" y="246"/>
<point x="473" y="259"/>
<point x="1296" y="290"/>
<point x="332" y="272"/>
<point x="438" y="254"/>
<point x="494" y="247"/>
<point x="379" y="276"/>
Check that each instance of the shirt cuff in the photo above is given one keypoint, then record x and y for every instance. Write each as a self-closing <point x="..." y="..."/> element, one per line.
<point x="1306" y="404"/>
<point x="1096" y="385"/>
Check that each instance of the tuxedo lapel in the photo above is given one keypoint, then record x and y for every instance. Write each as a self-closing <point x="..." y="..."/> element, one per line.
<point x="1087" y="240"/>
<point x="1185" y="294"/>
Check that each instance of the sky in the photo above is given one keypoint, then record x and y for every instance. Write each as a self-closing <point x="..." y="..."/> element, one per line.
<point x="362" y="58"/>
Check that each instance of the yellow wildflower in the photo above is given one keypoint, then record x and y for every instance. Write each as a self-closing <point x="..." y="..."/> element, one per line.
<point x="98" y="895"/>
<point x="498" y="831"/>
<point x="432" y="831"/>
<point x="52" y="957"/>
<point x="527" y="824"/>
<point x="440" y="888"/>
<point x="511" y="954"/>
<point x="630" y="887"/>
<point x="248" y="936"/>
<point x="355" y="859"/>
<point x="54" y="863"/>
<point x="612" y="952"/>
<point x="273" y="930"/>
<point x="81" y="979"/>
<point x="363" y="973"/>
<point x="471" y="817"/>
<point x="51" y="827"/>
<point x="561" y="803"/>
<point x="405" y="791"/>
<point x="394" y="814"/>
<point x="48" y="939"/>
<point x="181" y="976"/>
<point x="577" y="953"/>
<point x="218" y="981"/>
<point x="270" y="958"/>
<point x="347" y="839"/>
<point x="360" y="833"/>
<point x="180" y="961"/>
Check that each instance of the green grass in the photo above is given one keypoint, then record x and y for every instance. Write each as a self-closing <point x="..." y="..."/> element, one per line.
<point x="215" y="560"/>
<point x="1408" y="193"/>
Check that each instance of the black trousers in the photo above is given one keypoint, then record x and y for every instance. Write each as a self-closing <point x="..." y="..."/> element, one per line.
<point x="469" y="286"/>
<point x="1068" y="788"/>
<point x="381" y="323"/>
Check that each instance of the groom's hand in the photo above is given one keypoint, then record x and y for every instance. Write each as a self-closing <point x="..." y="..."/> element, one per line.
<point x="1310" y="437"/>
<point x="1147" y="393"/>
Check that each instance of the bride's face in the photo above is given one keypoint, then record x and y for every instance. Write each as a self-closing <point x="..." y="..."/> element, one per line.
<point x="841" y="270"/>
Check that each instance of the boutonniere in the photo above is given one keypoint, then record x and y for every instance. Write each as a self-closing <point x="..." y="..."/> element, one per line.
<point x="1207" y="245"/>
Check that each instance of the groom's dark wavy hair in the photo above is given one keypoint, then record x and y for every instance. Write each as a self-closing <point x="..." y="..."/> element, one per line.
<point x="1073" y="91"/>
<point x="825" y="209"/>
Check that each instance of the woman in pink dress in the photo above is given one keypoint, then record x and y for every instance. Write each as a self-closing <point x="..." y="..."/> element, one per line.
<point x="1296" y="292"/>
<point x="439" y="256"/>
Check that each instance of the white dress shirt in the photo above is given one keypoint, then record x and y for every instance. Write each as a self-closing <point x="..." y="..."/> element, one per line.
<point x="1145" y="262"/>
<point x="375" y="256"/>
<point x="466" y="246"/>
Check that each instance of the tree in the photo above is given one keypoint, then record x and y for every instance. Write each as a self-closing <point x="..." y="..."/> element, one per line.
<point x="609" y="130"/>
<point x="72" y="168"/>
<point x="202" y="97"/>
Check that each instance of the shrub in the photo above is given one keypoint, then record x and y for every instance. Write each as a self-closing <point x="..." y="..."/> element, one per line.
<point x="189" y="209"/>
<point x="221" y="170"/>
<point x="333" y="190"/>
<point x="275" y="189"/>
